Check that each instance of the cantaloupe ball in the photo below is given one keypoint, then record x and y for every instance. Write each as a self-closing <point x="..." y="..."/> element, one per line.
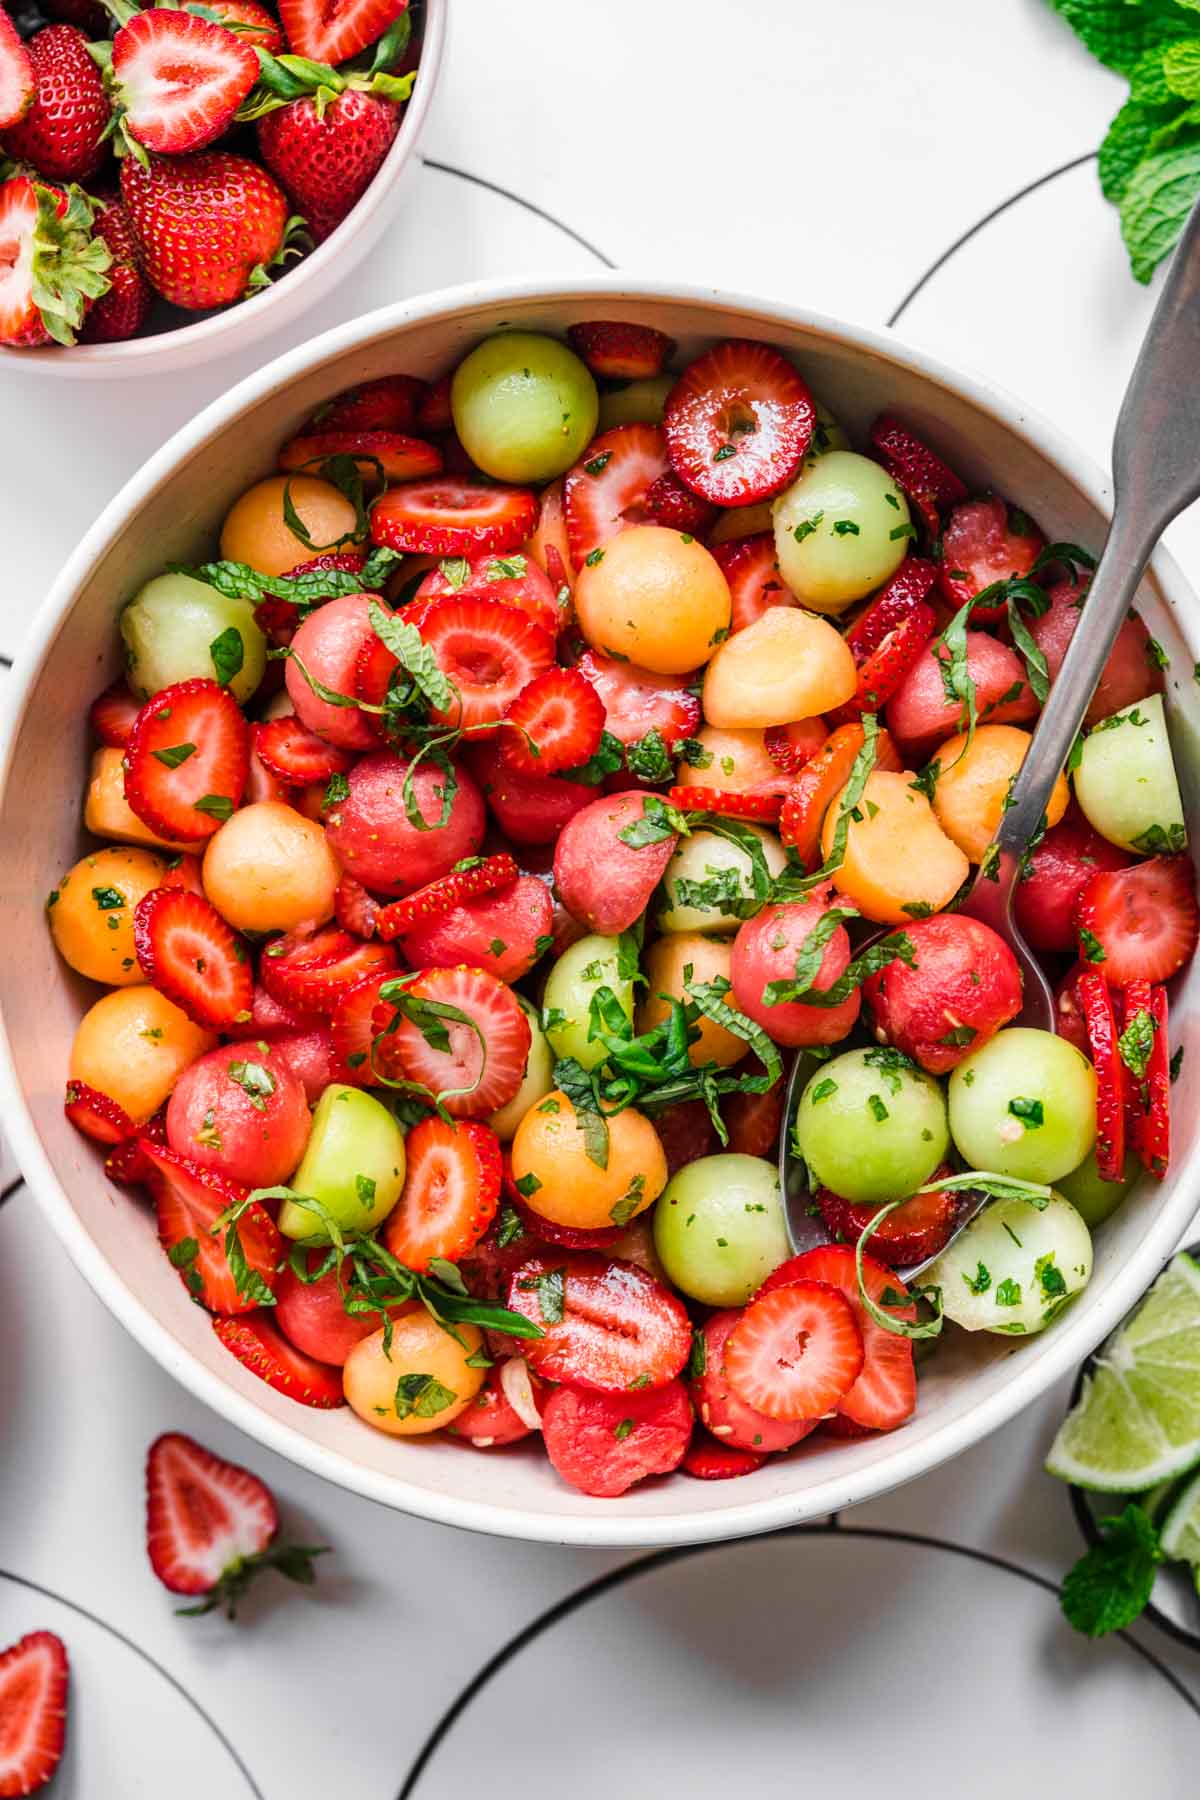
<point x="106" y="811"/>
<point x="560" y="1181"/>
<point x="899" y="864"/>
<point x="741" y="521"/>
<point x="655" y="597"/>
<point x="841" y="529"/>
<point x="91" y="912"/>
<point x="739" y="761"/>
<point x="133" y="1045"/>
<point x="972" y="785"/>
<point x="664" y="964"/>
<point x="256" y="532"/>
<point x="421" y="1382"/>
<point x="788" y="665"/>
<point x="270" y="869"/>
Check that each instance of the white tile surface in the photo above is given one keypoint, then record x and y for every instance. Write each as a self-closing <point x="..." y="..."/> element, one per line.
<point x="827" y="155"/>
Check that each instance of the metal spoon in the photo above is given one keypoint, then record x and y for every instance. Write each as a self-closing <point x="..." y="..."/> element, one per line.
<point x="1156" y="473"/>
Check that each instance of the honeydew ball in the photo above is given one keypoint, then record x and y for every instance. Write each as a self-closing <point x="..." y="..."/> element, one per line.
<point x="871" y="1126"/>
<point x="719" y="1228"/>
<point x="709" y="883"/>
<point x="591" y="963"/>
<point x="841" y="529"/>
<point x="179" y="629"/>
<point x="524" y="406"/>
<point x="1025" y="1105"/>
<point x="1014" y="1267"/>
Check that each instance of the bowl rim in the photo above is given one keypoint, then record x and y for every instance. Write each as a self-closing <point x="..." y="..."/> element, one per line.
<point x="1077" y="1333"/>
<point x="233" y="328"/>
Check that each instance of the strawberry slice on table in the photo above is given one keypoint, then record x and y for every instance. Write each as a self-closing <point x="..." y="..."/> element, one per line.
<point x="985" y="540"/>
<point x="726" y="803"/>
<point x="617" y="350"/>
<point x="1143" y="919"/>
<point x="1145" y="1053"/>
<point x="295" y="755"/>
<point x="112" y="713"/>
<point x="557" y="723"/>
<point x="485" y="875"/>
<point x="189" y="1200"/>
<point x="707" y="1460"/>
<point x="392" y="454"/>
<point x="34" y="1674"/>
<point x="489" y="651"/>
<point x="16" y="75"/>
<point x="449" y="515"/>
<point x="885" y="1393"/>
<point x="792" y="747"/>
<point x="608" y="1325"/>
<point x="603" y="1443"/>
<point x="752" y="572"/>
<point x="180" y="79"/>
<point x="608" y="487"/>
<point x="98" y="1116"/>
<point x="796" y="1352"/>
<point x="637" y="701"/>
<point x="332" y="31"/>
<point x="1095" y="1002"/>
<point x="51" y="265"/>
<point x="460" y="1034"/>
<point x="211" y="1526"/>
<point x="187" y="760"/>
<point x="917" y="471"/>
<point x="314" y="972"/>
<point x="451" y="1192"/>
<point x="389" y="404"/>
<point x="188" y="952"/>
<point x="738" y="423"/>
<point x="260" y="1347"/>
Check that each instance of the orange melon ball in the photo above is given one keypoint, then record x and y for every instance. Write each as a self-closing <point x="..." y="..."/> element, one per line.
<point x="655" y="597"/>
<point x="422" y="1382"/>
<point x="739" y="761"/>
<point x="972" y="785"/>
<point x="899" y="864"/>
<point x="256" y="532"/>
<point x="664" y="964"/>
<point x="106" y="811"/>
<point x="788" y="665"/>
<point x="91" y="913"/>
<point x="133" y="1045"/>
<point x="742" y="521"/>
<point x="562" y="1183"/>
<point x="270" y="869"/>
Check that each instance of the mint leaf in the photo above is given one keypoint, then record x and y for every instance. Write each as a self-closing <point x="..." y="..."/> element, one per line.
<point x="1155" y="205"/>
<point x="1181" y="71"/>
<point x="1110" y="1585"/>
<point x="1148" y="79"/>
<point x="1125" y="144"/>
<point x="1120" y="34"/>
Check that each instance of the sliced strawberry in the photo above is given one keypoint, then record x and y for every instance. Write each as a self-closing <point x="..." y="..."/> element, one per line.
<point x="187" y="760"/>
<point x="294" y="754"/>
<point x="112" y="714"/>
<point x="1144" y="920"/>
<point x="389" y="404"/>
<point x="616" y="350"/>
<point x="886" y="1392"/>
<point x="485" y="876"/>
<point x="792" y="747"/>
<point x="911" y="585"/>
<point x="33" y="1702"/>
<point x="379" y="455"/>
<point x="125" y="1162"/>
<point x="279" y="618"/>
<point x="917" y="471"/>
<point x="515" y="580"/>
<point x="719" y="1409"/>
<point x="603" y="1443"/>
<point x="557" y="722"/>
<point x="353" y="1028"/>
<point x="486" y="1048"/>
<point x="795" y="1352"/>
<point x="1095" y="1001"/>
<point x="451" y="1192"/>
<point x="915" y="1231"/>
<point x="529" y="809"/>
<point x="749" y="566"/>
<point x="1153" y="1137"/>
<point x="332" y="31"/>
<point x="252" y="22"/>
<point x="450" y="516"/>
<point x="433" y="408"/>
<point x="671" y="504"/>
<point x="726" y="803"/>
<point x="184" y="872"/>
<point x="17" y="83"/>
<point x="262" y="1349"/>
<point x="985" y="540"/>
<point x="738" y="423"/>
<point x="189" y="1201"/>
<point x="608" y="1325"/>
<point x="188" y="952"/>
<point x="96" y="1115"/>
<point x="637" y="701"/>
<point x="820" y="782"/>
<point x="753" y="1121"/>
<point x="889" y="637"/>
<point x="314" y="972"/>
<point x="1147" y="1104"/>
<point x="354" y="909"/>
<point x="709" y="1461"/>
<point x="489" y="652"/>
<point x="271" y="1018"/>
<point x="505" y="932"/>
<point x="180" y="79"/>
<point x="608" y="487"/>
<point x="837" y="1425"/>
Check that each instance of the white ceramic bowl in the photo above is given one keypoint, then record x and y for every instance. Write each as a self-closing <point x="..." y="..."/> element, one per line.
<point x="180" y="340"/>
<point x="170" y="511"/>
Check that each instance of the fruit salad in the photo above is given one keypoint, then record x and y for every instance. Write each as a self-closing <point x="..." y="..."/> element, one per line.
<point x="182" y="156"/>
<point x="547" y="757"/>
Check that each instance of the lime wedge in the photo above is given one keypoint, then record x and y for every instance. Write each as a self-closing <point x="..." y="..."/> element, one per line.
<point x="1137" y="1421"/>
<point x="1180" y="1534"/>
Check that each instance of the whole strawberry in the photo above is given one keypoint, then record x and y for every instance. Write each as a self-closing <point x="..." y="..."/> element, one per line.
<point x="62" y="133"/>
<point x="209" y="226"/>
<point x="122" y="311"/>
<point x="326" y="157"/>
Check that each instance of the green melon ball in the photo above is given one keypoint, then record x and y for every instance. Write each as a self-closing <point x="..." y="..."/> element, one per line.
<point x="708" y="885"/>
<point x="1014" y="1267"/>
<point x="1025" y="1105"/>
<point x="841" y="529"/>
<point x="1093" y="1198"/>
<point x="354" y="1165"/>
<point x="537" y="1082"/>
<point x="592" y="963"/>
<point x="637" y="403"/>
<point x="524" y="406"/>
<point x="719" y="1228"/>
<point x="1126" y="784"/>
<point x="179" y="629"/>
<point x="871" y="1126"/>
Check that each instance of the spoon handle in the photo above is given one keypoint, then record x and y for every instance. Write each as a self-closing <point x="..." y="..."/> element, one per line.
<point x="1156" y="473"/>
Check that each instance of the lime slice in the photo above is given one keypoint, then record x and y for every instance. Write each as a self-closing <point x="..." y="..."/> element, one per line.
<point x="1137" y="1421"/>
<point x="1180" y="1534"/>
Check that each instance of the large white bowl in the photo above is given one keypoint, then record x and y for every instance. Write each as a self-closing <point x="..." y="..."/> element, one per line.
<point x="170" y="511"/>
<point x="179" y="339"/>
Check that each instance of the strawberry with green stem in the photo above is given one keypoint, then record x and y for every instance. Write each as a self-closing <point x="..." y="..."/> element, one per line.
<point x="211" y="227"/>
<point x="52" y="265"/>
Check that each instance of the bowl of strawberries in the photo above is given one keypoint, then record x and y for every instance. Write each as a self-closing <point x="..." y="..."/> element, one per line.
<point x="177" y="180"/>
<point x="486" y="1004"/>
